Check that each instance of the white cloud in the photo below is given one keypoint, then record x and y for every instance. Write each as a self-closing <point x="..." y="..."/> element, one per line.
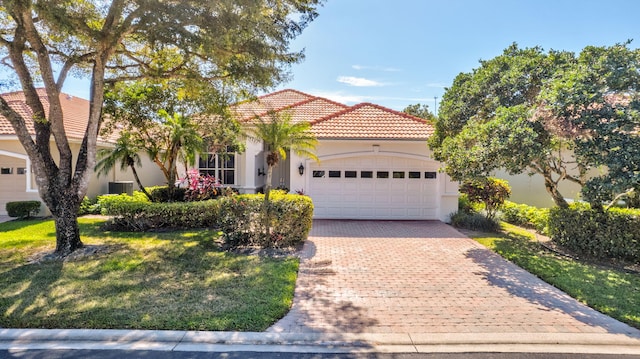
<point x="375" y="68"/>
<point x="359" y="81"/>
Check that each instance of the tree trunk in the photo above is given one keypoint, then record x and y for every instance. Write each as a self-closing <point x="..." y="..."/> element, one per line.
<point x="67" y="232"/>
<point x="65" y="214"/>
<point x="265" y="205"/>
<point x="135" y="175"/>
<point x="552" y="188"/>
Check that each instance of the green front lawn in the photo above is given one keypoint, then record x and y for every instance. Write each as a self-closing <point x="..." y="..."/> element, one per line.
<point x="173" y="280"/>
<point x="612" y="292"/>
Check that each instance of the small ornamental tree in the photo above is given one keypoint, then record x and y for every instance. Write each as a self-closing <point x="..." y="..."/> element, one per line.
<point x="492" y="192"/>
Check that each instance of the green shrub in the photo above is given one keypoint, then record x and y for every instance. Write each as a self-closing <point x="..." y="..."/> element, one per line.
<point x="106" y="201"/>
<point x="475" y="222"/>
<point x="89" y="206"/>
<point x="526" y="216"/>
<point x="242" y="218"/>
<point x="614" y="233"/>
<point x="23" y="209"/>
<point x="161" y="194"/>
<point x="144" y="216"/>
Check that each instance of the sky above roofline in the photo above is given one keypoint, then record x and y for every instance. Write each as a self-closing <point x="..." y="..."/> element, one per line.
<point x="397" y="53"/>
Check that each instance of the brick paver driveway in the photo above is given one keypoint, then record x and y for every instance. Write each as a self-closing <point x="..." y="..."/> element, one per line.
<point x="423" y="277"/>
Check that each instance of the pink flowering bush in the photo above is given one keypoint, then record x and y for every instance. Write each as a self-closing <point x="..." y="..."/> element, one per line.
<point x="200" y="187"/>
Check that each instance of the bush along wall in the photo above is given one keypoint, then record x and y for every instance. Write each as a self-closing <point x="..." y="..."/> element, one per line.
<point x="526" y="216"/>
<point x="23" y="209"/>
<point x="242" y="219"/>
<point x="239" y="217"/>
<point x="614" y="233"/>
<point x="145" y="216"/>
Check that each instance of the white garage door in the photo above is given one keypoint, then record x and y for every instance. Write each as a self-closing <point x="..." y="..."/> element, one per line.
<point x="374" y="187"/>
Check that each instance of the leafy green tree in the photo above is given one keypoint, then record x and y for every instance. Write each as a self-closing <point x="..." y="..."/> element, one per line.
<point x="226" y="43"/>
<point x="126" y="153"/>
<point x="597" y="102"/>
<point x="171" y="121"/>
<point x="488" y="121"/>
<point x="420" y="110"/>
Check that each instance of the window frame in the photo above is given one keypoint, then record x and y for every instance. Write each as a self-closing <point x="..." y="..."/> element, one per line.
<point x="216" y="164"/>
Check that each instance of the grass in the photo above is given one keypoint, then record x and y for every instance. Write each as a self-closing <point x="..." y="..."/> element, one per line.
<point x="173" y="280"/>
<point x="610" y="291"/>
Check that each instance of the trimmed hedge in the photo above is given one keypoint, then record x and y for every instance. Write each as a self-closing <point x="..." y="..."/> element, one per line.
<point x="526" y="216"/>
<point x="22" y="209"/>
<point x="242" y="219"/>
<point x="239" y="217"/>
<point x="614" y="233"/>
<point x="144" y="216"/>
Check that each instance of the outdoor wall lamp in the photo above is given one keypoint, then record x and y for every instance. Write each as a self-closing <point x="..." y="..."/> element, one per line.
<point x="301" y="169"/>
<point x="261" y="172"/>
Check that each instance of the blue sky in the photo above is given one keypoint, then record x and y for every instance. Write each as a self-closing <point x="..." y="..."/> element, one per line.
<point x="400" y="52"/>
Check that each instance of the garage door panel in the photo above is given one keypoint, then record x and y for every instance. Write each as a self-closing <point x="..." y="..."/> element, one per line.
<point x="375" y="198"/>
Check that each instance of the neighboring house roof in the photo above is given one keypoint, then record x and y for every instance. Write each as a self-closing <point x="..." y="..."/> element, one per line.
<point x="332" y="120"/>
<point x="328" y="119"/>
<point x="74" y="109"/>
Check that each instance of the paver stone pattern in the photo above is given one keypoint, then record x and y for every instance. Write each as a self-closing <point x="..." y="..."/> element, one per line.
<point x="423" y="277"/>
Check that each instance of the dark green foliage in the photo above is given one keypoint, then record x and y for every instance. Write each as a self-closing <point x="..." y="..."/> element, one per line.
<point x="238" y="217"/>
<point x="23" y="209"/>
<point x="526" y="216"/>
<point x="161" y="194"/>
<point x="291" y="217"/>
<point x="614" y="233"/>
<point x="144" y="216"/>
<point x="475" y="222"/>
<point x="488" y="120"/>
<point x="492" y="192"/>
<point x="597" y="104"/>
<point x="420" y="110"/>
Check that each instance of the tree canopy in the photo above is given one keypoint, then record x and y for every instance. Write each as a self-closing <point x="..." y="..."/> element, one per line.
<point x="597" y="103"/>
<point x="549" y="113"/>
<point x="226" y="44"/>
<point x="420" y="110"/>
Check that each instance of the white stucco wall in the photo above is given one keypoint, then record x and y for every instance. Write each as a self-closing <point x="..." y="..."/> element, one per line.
<point x="447" y="189"/>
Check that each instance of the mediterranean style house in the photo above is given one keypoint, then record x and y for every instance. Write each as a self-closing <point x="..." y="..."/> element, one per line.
<point x="374" y="161"/>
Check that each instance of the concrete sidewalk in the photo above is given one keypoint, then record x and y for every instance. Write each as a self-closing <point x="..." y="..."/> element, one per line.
<point x="194" y="341"/>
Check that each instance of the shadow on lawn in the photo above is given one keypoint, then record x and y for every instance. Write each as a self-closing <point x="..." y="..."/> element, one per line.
<point x="183" y="283"/>
<point x="41" y="278"/>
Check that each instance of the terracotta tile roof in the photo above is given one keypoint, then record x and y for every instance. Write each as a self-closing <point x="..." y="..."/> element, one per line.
<point x="75" y="110"/>
<point x="369" y="121"/>
<point x="276" y="101"/>
<point x="330" y="119"/>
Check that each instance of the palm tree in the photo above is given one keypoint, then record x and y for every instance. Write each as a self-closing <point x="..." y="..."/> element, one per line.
<point x="181" y="141"/>
<point x="125" y="152"/>
<point x="279" y="136"/>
